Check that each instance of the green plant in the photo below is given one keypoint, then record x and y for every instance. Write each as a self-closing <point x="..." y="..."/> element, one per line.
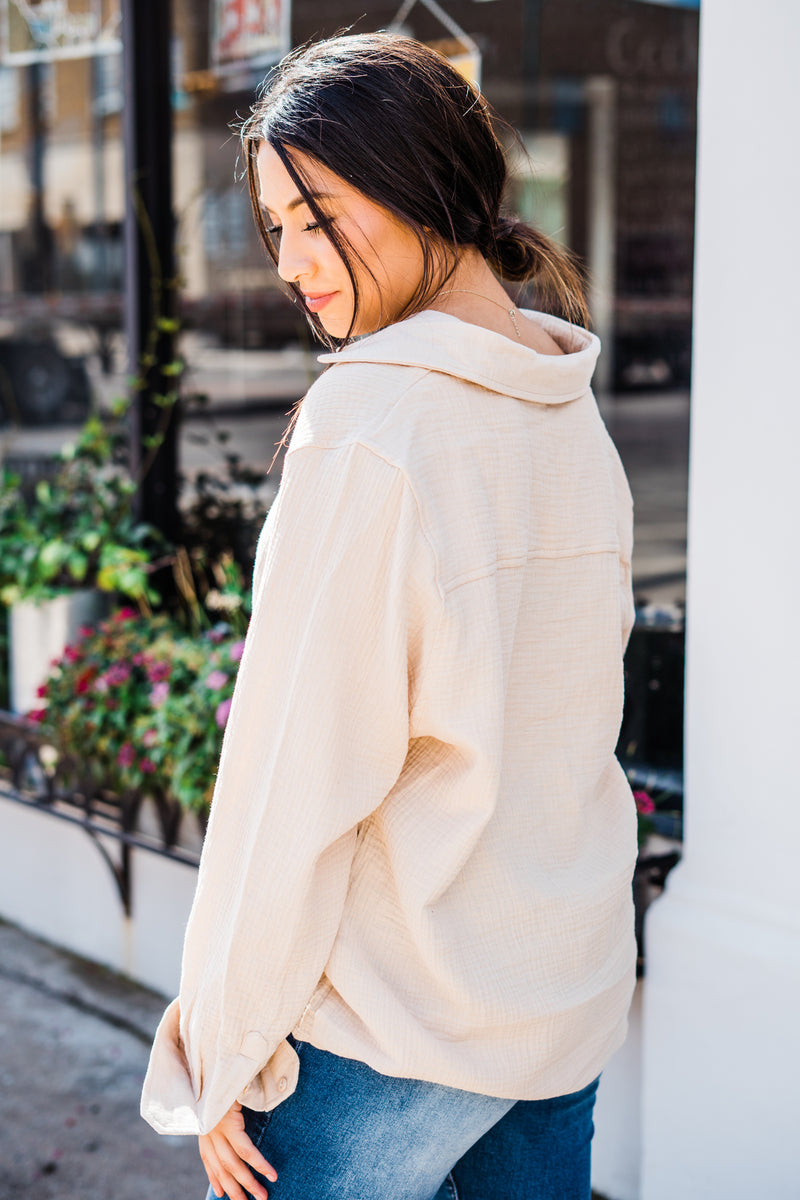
<point x="76" y="530"/>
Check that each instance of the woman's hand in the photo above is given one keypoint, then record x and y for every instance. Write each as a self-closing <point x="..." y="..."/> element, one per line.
<point x="228" y="1154"/>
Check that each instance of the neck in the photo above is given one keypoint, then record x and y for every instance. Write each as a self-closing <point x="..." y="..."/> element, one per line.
<point x="473" y="294"/>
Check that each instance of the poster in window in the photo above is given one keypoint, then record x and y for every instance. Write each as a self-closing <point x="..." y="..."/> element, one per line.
<point x="248" y="31"/>
<point x="47" y="30"/>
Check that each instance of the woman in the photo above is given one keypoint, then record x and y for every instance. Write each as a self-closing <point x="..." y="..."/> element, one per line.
<point x="411" y="950"/>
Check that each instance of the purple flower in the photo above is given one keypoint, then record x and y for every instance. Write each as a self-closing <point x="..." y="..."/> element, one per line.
<point x="118" y="673"/>
<point x="126" y="756"/>
<point x="223" y="709"/>
<point x="159" y="694"/>
<point x="216" y="680"/>
<point x="236" y="651"/>
<point x="147" y="766"/>
<point x="157" y="672"/>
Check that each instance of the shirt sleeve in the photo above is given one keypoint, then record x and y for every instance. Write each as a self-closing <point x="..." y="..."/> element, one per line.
<point x="316" y="738"/>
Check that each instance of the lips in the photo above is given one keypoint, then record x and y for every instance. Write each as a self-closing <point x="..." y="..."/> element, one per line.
<point x="318" y="301"/>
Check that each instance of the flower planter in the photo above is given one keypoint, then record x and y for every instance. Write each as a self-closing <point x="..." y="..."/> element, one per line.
<point x="38" y="633"/>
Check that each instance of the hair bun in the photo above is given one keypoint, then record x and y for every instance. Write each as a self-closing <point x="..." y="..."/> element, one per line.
<point x="512" y="249"/>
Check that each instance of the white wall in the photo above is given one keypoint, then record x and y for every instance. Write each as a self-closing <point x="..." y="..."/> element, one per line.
<point x="54" y="883"/>
<point x="721" y="1032"/>
<point x="616" y="1149"/>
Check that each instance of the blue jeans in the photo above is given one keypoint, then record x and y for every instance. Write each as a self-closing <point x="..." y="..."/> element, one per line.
<point x="349" y="1133"/>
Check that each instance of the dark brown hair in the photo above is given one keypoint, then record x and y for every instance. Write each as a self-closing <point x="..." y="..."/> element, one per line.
<point x="396" y="121"/>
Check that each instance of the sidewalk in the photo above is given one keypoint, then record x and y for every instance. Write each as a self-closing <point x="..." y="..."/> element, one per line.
<point x="74" y="1041"/>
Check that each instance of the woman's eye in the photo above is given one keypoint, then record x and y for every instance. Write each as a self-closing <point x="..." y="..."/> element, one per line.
<point x="312" y="227"/>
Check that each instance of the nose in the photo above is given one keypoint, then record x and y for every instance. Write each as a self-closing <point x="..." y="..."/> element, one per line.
<point x="293" y="263"/>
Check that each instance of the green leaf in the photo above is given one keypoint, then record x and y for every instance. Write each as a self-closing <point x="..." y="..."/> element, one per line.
<point x="78" y="565"/>
<point x="167" y="325"/>
<point x="53" y="556"/>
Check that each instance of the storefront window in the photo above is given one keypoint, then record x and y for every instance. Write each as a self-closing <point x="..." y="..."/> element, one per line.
<point x="601" y="92"/>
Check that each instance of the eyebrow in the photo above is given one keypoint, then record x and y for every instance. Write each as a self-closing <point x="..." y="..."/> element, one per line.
<point x="300" y="200"/>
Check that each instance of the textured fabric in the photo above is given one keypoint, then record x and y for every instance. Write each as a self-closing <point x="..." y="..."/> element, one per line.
<point x="421" y="844"/>
<point x="382" y="1138"/>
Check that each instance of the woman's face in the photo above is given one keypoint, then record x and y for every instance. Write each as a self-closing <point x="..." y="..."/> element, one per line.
<point x="386" y="256"/>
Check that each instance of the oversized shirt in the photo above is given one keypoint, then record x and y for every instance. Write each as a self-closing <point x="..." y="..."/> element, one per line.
<point x="420" y="847"/>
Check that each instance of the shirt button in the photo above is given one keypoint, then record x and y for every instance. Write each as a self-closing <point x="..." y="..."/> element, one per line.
<point x="283" y="1083"/>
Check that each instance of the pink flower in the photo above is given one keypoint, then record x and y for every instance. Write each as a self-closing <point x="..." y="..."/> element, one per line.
<point x="124" y="614"/>
<point x="236" y="651"/>
<point x="216" y="680"/>
<point x="37" y="715"/>
<point x="159" y="694"/>
<point x="223" y="709"/>
<point x="126" y="756"/>
<point x="157" y="672"/>
<point x="71" y="654"/>
<point x="101" y="684"/>
<point x="216" y="635"/>
<point x="85" y="631"/>
<point x="41" y="691"/>
<point x="149" y="737"/>
<point x="147" y="766"/>
<point x="644" y="803"/>
<point x="118" y="673"/>
<point x="138" y="659"/>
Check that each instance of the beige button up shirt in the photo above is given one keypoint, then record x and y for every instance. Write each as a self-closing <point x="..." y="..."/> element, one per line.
<point x="421" y="844"/>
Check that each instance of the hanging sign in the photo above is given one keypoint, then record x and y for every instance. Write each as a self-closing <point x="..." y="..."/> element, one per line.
<point x="47" y="30"/>
<point x="248" y="32"/>
<point x="466" y="58"/>
<point x="461" y="51"/>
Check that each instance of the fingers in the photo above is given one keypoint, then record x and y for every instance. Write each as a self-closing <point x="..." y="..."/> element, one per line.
<point x="245" y="1148"/>
<point x="224" y="1182"/>
<point x="226" y="1153"/>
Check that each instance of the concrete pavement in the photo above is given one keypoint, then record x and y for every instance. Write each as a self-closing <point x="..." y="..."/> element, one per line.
<point x="74" y="1042"/>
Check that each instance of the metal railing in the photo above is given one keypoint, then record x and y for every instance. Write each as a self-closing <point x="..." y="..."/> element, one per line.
<point x="32" y="774"/>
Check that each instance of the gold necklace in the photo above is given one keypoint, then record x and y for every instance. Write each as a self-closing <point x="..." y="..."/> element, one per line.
<point x="512" y="312"/>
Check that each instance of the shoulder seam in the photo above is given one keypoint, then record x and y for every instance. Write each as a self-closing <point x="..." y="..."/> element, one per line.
<point x="375" y="453"/>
